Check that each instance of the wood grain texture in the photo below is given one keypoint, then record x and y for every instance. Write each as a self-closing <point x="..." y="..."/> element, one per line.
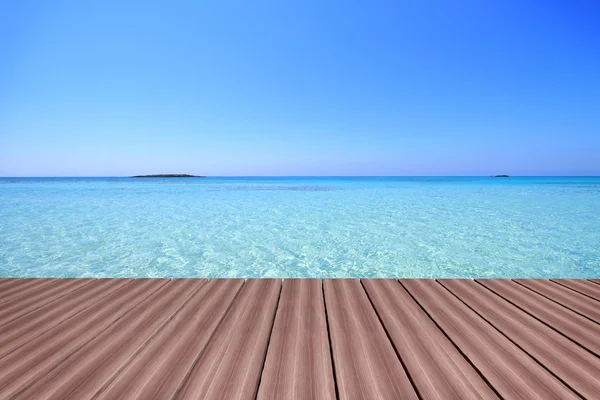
<point x="567" y="322"/>
<point x="298" y="364"/>
<point x="564" y="296"/>
<point x="44" y="295"/>
<point x="365" y="363"/>
<point x="21" y="288"/>
<point x="436" y="367"/>
<point x="231" y="365"/>
<point x="573" y="365"/>
<point x="33" y="360"/>
<point x="7" y="283"/>
<point x="160" y="369"/>
<point x="589" y="288"/>
<point x="223" y="338"/>
<point x="91" y="367"/>
<point x="27" y="327"/>
<point x="513" y="373"/>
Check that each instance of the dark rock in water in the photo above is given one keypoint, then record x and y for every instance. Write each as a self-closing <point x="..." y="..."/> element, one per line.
<point x="168" y="176"/>
<point x="501" y="176"/>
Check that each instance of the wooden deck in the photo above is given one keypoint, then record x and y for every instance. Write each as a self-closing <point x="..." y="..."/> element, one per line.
<point x="303" y="339"/>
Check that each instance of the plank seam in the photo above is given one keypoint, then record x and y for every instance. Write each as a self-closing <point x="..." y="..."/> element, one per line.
<point x="454" y="344"/>
<point x="58" y="363"/>
<point x="555" y="301"/>
<point x="212" y="335"/>
<point x="69" y="291"/>
<point x="589" y="280"/>
<point x="335" y="383"/>
<point x="147" y="343"/>
<point x="410" y="378"/>
<point x="16" y="295"/>
<point x="575" y="290"/>
<point x="512" y="341"/>
<point x="543" y="322"/>
<point x="262" y="367"/>
<point x="66" y="319"/>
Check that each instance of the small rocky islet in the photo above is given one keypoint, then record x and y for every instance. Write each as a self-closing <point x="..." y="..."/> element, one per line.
<point x="168" y="176"/>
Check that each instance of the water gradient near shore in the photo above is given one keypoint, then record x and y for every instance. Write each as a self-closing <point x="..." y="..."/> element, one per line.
<point x="426" y="227"/>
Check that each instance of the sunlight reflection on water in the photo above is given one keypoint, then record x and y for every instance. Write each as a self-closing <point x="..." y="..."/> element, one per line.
<point x="300" y="227"/>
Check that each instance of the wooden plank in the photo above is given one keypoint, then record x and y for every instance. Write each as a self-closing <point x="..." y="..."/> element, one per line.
<point x="573" y="365"/>
<point x="7" y="283"/>
<point x="567" y="322"/>
<point x="44" y="295"/>
<point x="114" y="339"/>
<point x="564" y="296"/>
<point x="27" y="327"/>
<point x="160" y="369"/>
<point x="298" y="364"/>
<point x="23" y="366"/>
<point x="22" y="288"/>
<point x="436" y="367"/>
<point x="588" y="288"/>
<point x="91" y="367"/>
<point x="597" y="281"/>
<point x="231" y="365"/>
<point x="513" y="373"/>
<point x="365" y="363"/>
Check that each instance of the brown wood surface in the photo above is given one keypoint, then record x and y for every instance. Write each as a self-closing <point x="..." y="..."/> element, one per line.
<point x="7" y="285"/>
<point x="589" y="288"/>
<point x="298" y="364"/>
<point x="21" y="288"/>
<point x="7" y="282"/>
<point x="575" y="366"/>
<point x="231" y="365"/>
<point x="365" y="363"/>
<point x="160" y="369"/>
<point x="436" y="367"/>
<point x="21" y="305"/>
<point x="88" y="369"/>
<point x="567" y="322"/>
<point x="35" y="359"/>
<point x="342" y="339"/>
<point x="27" y="327"/>
<point x="564" y="296"/>
<point x="513" y="373"/>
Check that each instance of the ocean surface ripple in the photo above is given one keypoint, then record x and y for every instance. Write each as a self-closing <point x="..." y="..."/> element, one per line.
<point x="392" y="227"/>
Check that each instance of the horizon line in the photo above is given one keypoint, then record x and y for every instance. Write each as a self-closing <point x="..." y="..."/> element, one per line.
<point x="307" y="176"/>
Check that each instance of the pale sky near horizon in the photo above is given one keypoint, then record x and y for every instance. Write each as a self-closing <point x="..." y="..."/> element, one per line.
<point x="473" y="87"/>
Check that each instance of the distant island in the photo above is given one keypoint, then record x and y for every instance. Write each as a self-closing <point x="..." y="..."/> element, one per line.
<point x="500" y="176"/>
<point x="168" y="176"/>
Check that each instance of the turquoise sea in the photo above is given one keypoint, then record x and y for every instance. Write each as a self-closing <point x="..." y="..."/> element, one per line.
<point x="300" y="227"/>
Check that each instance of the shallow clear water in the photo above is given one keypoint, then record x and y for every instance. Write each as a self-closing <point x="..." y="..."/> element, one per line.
<point x="300" y="227"/>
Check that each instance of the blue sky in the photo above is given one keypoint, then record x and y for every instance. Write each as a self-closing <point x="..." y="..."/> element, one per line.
<point x="299" y="88"/>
